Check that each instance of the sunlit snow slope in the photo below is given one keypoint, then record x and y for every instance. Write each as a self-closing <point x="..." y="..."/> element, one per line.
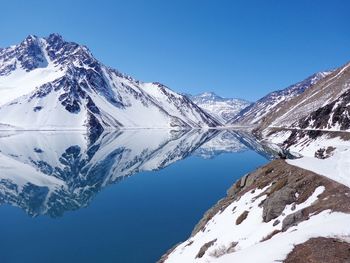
<point x="49" y="83"/>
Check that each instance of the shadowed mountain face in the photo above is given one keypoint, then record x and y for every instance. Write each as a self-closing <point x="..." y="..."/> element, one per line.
<point x="53" y="172"/>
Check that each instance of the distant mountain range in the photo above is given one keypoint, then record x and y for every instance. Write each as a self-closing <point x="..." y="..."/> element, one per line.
<point x="223" y="109"/>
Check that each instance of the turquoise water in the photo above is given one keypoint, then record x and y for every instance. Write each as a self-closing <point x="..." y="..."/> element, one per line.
<point x="123" y="197"/>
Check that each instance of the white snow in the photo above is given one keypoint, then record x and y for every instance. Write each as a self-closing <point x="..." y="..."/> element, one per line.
<point x="20" y="82"/>
<point x="335" y="167"/>
<point x="52" y="116"/>
<point x="272" y="102"/>
<point x="249" y="234"/>
<point x="223" y="109"/>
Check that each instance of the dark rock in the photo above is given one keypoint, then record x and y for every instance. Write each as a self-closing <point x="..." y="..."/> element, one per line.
<point x="320" y="250"/>
<point x="204" y="248"/>
<point x="276" y="202"/>
<point x="293" y="219"/>
<point x="242" y="217"/>
<point x="276" y="222"/>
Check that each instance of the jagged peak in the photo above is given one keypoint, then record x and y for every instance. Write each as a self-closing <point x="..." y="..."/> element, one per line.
<point x="30" y="40"/>
<point x="55" y="36"/>
<point x="159" y="84"/>
<point x="31" y="37"/>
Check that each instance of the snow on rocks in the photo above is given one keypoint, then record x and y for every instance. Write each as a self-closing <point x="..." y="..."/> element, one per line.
<point x="265" y="215"/>
<point x="324" y="155"/>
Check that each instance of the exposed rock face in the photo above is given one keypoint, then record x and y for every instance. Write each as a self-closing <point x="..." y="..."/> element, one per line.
<point x="334" y="115"/>
<point x="277" y="201"/>
<point x="204" y="248"/>
<point x="320" y="250"/>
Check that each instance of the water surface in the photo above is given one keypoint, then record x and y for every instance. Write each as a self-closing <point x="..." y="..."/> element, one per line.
<point x="121" y="197"/>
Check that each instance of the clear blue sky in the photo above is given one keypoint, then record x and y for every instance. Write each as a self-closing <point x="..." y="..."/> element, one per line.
<point x="235" y="48"/>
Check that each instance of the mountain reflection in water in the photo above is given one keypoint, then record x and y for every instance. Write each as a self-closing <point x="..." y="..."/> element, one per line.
<point x="48" y="173"/>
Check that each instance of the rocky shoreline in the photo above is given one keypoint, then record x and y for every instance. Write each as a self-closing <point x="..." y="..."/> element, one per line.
<point x="287" y="196"/>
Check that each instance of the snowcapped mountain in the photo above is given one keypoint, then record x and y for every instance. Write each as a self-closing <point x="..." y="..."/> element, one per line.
<point x="256" y="112"/>
<point x="223" y="109"/>
<point x="49" y="83"/>
<point x="323" y="106"/>
<point x="313" y="123"/>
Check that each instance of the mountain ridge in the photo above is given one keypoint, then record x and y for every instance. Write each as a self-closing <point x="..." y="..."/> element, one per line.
<point x="49" y="83"/>
<point x="256" y="112"/>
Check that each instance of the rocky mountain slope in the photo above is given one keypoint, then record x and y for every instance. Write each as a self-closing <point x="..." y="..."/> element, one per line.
<point x="277" y="213"/>
<point x="258" y="111"/>
<point x="332" y="116"/>
<point x="223" y="109"/>
<point x="322" y="106"/>
<point x="49" y="83"/>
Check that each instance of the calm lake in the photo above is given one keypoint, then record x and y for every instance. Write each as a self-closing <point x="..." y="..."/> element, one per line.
<point x="120" y="197"/>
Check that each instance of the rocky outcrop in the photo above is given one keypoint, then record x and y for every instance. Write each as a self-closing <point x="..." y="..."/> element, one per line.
<point x="287" y="182"/>
<point x="320" y="250"/>
<point x="293" y="196"/>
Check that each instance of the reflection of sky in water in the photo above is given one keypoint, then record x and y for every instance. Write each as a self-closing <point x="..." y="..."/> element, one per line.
<point x="135" y="220"/>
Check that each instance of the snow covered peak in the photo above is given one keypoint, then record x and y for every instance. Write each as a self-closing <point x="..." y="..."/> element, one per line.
<point x="35" y="52"/>
<point x="54" y="38"/>
<point x="28" y="55"/>
<point x="208" y="95"/>
<point x="223" y="109"/>
<point x="50" y="83"/>
<point x="30" y="38"/>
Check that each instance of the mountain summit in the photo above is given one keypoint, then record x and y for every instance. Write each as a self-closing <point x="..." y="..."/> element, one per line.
<point x="49" y="83"/>
<point x="223" y="109"/>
